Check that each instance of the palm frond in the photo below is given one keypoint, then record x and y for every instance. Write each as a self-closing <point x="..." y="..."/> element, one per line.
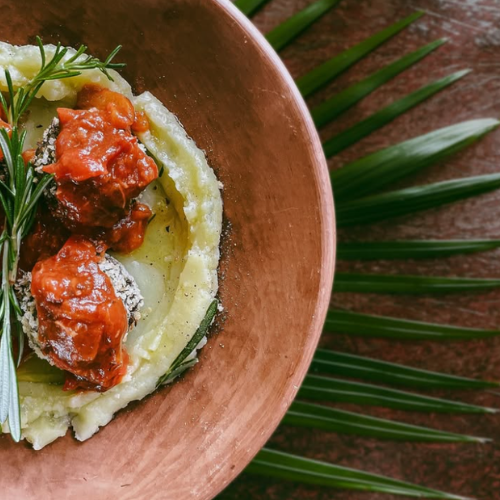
<point x="373" y="172"/>
<point x="367" y="325"/>
<point x="345" y="391"/>
<point x="361" y="367"/>
<point x="328" y="71"/>
<point x="281" y="465"/>
<point x="249" y="7"/>
<point x="355" y="188"/>
<point x="283" y="34"/>
<point x="345" y="422"/>
<point x="386" y="115"/>
<point x="411" y="249"/>
<point x="413" y="285"/>
<point x="333" y="107"/>
<point x="407" y="201"/>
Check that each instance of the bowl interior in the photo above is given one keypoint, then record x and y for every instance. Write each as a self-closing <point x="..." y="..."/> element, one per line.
<point x="210" y="67"/>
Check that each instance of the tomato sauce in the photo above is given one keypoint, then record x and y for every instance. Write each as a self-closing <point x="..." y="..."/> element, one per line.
<point x="127" y="234"/>
<point x="28" y="155"/>
<point x="46" y="238"/>
<point x="81" y="320"/>
<point x="141" y="123"/>
<point x="48" y="235"/>
<point x="100" y="167"/>
<point x="98" y="172"/>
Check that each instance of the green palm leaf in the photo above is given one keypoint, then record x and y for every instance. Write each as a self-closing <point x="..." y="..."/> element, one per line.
<point x="345" y="391"/>
<point x="383" y="283"/>
<point x="354" y="205"/>
<point x="334" y="106"/>
<point x="248" y="7"/>
<point x="282" y="35"/>
<point x="345" y="422"/>
<point x="376" y="121"/>
<point x="360" y="367"/>
<point x="411" y="249"/>
<point x="400" y="329"/>
<point x="329" y="70"/>
<point x="281" y="465"/>
<point x="372" y="172"/>
<point x="410" y="200"/>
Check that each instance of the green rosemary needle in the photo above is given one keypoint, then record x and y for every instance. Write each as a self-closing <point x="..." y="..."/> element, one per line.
<point x="20" y="191"/>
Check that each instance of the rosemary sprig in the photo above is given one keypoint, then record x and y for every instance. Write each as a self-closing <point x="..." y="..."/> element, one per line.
<point x="54" y="69"/>
<point x="19" y="195"/>
<point x="20" y="191"/>
<point x="183" y="361"/>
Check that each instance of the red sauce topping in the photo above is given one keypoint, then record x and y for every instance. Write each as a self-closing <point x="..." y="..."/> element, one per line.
<point x="116" y="105"/>
<point x="81" y="320"/>
<point x="48" y="235"/>
<point x="28" y="155"/>
<point x="99" y="170"/>
<point x="100" y="166"/>
<point x="141" y="123"/>
<point x="46" y="238"/>
<point x="127" y="234"/>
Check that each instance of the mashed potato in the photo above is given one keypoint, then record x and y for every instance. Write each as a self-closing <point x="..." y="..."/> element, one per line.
<point x="176" y="268"/>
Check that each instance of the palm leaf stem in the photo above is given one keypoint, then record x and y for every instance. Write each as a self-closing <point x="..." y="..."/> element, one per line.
<point x="386" y="115"/>
<point x="345" y="391"/>
<point x="249" y="7"/>
<point x="345" y="422"/>
<point x="333" y="107"/>
<point x="413" y="285"/>
<point x="273" y="463"/>
<point x="287" y="31"/>
<point x="415" y="199"/>
<point x="362" y="177"/>
<point x="411" y="249"/>
<point x="364" y="368"/>
<point x="328" y="71"/>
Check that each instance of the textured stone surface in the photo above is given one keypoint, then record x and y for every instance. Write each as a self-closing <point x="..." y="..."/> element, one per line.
<point x="474" y="42"/>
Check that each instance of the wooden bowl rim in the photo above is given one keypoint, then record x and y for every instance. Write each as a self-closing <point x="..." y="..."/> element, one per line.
<point x="328" y="231"/>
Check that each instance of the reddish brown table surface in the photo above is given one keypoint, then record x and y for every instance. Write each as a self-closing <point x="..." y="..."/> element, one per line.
<point x="473" y="29"/>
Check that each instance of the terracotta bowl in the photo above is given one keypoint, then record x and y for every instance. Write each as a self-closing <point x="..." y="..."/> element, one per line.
<point x="212" y="68"/>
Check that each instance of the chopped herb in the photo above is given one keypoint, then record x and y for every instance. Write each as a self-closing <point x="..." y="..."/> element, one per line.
<point x="181" y="363"/>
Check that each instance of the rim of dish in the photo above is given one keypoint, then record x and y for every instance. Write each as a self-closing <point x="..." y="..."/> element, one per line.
<point x="328" y="236"/>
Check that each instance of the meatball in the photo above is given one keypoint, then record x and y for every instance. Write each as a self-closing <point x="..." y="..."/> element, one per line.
<point x="124" y="284"/>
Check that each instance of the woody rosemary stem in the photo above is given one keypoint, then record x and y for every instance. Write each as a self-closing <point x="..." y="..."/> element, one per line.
<point x="9" y="392"/>
<point x="16" y="244"/>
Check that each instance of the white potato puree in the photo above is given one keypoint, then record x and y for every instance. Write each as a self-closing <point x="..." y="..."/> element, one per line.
<point x="176" y="270"/>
